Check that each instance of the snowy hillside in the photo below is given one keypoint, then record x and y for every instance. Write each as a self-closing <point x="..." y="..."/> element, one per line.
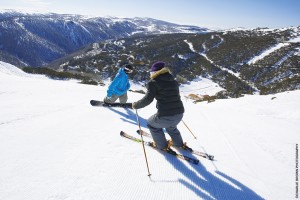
<point x="52" y="36"/>
<point x="54" y="145"/>
<point x="242" y="62"/>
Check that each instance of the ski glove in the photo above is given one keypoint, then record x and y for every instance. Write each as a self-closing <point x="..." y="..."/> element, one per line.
<point x="133" y="105"/>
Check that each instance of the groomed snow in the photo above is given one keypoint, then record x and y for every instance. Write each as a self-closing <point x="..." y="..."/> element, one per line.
<point x="272" y="49"/>
<point x="55" y="146"/>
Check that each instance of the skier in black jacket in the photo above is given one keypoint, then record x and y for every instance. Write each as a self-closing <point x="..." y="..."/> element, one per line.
<point x="165" y="89"/>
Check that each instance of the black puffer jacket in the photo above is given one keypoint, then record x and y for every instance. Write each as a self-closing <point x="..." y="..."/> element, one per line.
<point x="165" y="89"/>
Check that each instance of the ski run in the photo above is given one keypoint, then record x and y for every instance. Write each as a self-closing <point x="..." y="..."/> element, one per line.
<point x="55" y="146"/>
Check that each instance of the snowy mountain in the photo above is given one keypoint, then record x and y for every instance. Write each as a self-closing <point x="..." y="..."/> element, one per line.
<point x="54" y="145"/>
<point x="241" y="61"/>
<point x="37" y="39"/>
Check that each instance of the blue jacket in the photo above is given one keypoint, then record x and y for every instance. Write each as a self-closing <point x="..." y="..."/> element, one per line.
<point x="119" y="85"/>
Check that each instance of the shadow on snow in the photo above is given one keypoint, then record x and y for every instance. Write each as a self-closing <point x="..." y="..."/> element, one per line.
<point x="130" y="117"/>
<point x="205" y="184"/>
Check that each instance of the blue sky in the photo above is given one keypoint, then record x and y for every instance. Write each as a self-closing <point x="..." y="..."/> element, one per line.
<point x="205" y="13"/>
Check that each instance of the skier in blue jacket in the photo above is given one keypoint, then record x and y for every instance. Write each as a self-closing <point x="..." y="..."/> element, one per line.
<point x="119" y="86"/>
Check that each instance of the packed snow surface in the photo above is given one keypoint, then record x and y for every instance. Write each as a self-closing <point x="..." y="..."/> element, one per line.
<point x="55" y="146"/>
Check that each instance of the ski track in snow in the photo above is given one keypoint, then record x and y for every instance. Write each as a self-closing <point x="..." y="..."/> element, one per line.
<point x="220" y="67"/>
<point x="267" y="52"/>
<point x="274" y="48"/>
<point x="54" y="145"/>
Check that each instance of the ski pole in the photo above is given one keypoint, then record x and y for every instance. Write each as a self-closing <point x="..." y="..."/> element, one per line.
<point x="138" y="121"/>
<point x="189" y="129"/>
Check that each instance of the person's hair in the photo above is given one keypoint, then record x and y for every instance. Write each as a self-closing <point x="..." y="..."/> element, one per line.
<point x="128" y="68"/>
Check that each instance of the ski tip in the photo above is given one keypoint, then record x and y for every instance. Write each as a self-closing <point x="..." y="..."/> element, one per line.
<point x="122" y="133"/>
<point x="209" y="157"/>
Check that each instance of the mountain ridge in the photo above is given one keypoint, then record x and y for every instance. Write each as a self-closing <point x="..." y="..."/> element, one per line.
<point x="242" y="62"/>
<point x="52" y="36"/>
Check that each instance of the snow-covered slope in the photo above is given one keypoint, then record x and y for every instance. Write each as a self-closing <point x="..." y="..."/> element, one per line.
<point x="54" y="146"/>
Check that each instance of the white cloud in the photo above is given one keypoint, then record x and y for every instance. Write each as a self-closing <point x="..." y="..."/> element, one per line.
<point x="37" y="3"/>
<point x="29" y="6"/>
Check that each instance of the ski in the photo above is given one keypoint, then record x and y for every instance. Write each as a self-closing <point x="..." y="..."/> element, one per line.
<point x="198" y="153"/>
<point x="180" y="156"/>
<point x="103" y="104"/>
